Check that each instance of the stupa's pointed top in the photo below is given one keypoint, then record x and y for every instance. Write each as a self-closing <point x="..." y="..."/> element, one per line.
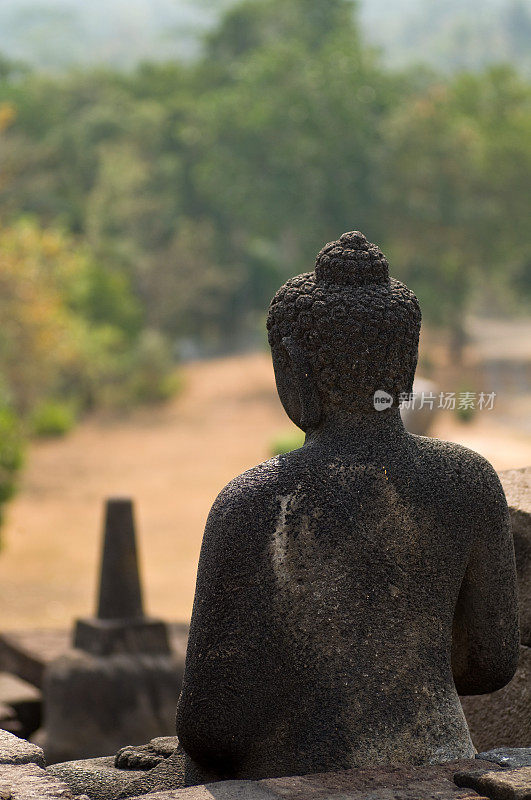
<point x="120" y="625"/>
<point x="120" y="594"/>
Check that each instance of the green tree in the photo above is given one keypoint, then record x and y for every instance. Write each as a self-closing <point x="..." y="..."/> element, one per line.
<point x="197" y="188"/>
<point x="287" y="141"/>
<point x="458" y="161"/>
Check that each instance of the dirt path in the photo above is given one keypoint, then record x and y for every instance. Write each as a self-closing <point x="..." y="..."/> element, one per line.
<point x="173" y="461"/>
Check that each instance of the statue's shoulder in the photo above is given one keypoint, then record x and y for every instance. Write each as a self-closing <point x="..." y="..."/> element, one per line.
<point x="245" y="513"/>
<point x="469" y="471"/>
<point x="258" y="488"/>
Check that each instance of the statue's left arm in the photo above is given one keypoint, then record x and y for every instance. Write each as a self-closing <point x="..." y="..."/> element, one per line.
<point x="485" y="645"/>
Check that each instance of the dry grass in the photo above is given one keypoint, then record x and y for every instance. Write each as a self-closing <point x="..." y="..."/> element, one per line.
<point x="173" y="460"/>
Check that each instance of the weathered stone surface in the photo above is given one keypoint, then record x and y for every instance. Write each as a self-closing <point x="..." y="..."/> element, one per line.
<point x="517" y="486"/>
<point x="30" y="782"/>
<point x="508" y="757"/>
<point x="102" y="781"/>
<point x="503" y="716"/>
<point x="329" y="576"/>
<point x="99" y="781"/>
<point x="96" y="777"/>
<point x="499" y="785"/>
<point x="226" y="790"/>
<point x="386" y="783"/>
<point x="146" y="756"/>
<point x="18" y="751"/>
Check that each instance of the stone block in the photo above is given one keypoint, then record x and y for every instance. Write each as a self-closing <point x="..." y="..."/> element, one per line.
<point x="517" y="487"/>
<point x="96" y="777"/>
<point x="25" y="701"/>
<point x="30" y="782"/>
<point x="104" y="637"/>
<point x="97" y="704"/>
<point x="14" y="691"/>
<point x="18" y="751"/>
<point x="100" y="779"/>
<point x="503" y="717"/>
<point x="226" y="790"/>
<point x="377" y="783"/>
<point x="512" y="784"/>
<point x="508" y="757"/>
<point x="27" y="653"/>
<point x="383" y="783"/>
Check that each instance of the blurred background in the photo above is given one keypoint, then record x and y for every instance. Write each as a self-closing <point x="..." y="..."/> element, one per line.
<point x="164" y="166"/>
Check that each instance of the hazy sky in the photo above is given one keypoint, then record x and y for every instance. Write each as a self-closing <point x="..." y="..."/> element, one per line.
<point x="56" y="33"/>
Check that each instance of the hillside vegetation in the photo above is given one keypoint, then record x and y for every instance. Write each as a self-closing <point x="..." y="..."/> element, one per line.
<point x="151" y="212"/>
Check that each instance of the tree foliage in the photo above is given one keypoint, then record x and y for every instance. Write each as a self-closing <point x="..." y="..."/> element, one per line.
<point x="166" y="204"/>
<point x="198" y="187"/>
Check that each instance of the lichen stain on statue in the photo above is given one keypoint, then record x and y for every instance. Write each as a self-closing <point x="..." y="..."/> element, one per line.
<point x="279" y="542"/>
<point x="311" y="576"/>
<point x="330" y="578"/>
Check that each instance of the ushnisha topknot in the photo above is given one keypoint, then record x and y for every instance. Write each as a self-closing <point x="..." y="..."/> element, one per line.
<point x="358" y="327"/>
<point x="351" y="261"/>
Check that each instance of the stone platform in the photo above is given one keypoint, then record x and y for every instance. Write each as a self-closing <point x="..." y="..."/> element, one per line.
<point x="27" y="653"/>
<point x="504" y="774"/>
<point x="387" y="783"/>
<point x="379" y="783"/>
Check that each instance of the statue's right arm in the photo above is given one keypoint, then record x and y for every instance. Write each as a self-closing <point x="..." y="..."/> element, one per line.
<point x="218" y="712"/>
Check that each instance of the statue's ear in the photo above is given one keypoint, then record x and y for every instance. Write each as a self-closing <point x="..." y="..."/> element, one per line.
<point x="310" y="402"/>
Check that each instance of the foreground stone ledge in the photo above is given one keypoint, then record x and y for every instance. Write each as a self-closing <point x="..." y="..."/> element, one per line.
<point x="454" y="780"/>
<point x="15" y="751"/>
<point x="97" y="777"/>
<point x="379" y="783"/>
<point x="514" y="784"/>
<point x="30" y="782"/>
<point x="508" y="757"/>
<point x="227" y="790"/>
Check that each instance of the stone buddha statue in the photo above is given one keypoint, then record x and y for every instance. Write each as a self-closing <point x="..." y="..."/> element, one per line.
<point x="349" y="590"/>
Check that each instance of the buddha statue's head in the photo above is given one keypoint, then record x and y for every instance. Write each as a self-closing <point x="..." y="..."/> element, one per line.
<point x="341" y="333"/>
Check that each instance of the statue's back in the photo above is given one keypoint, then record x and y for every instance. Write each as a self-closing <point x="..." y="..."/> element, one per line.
<point x="329" y="582"/>
<point x="344" y="587"/>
